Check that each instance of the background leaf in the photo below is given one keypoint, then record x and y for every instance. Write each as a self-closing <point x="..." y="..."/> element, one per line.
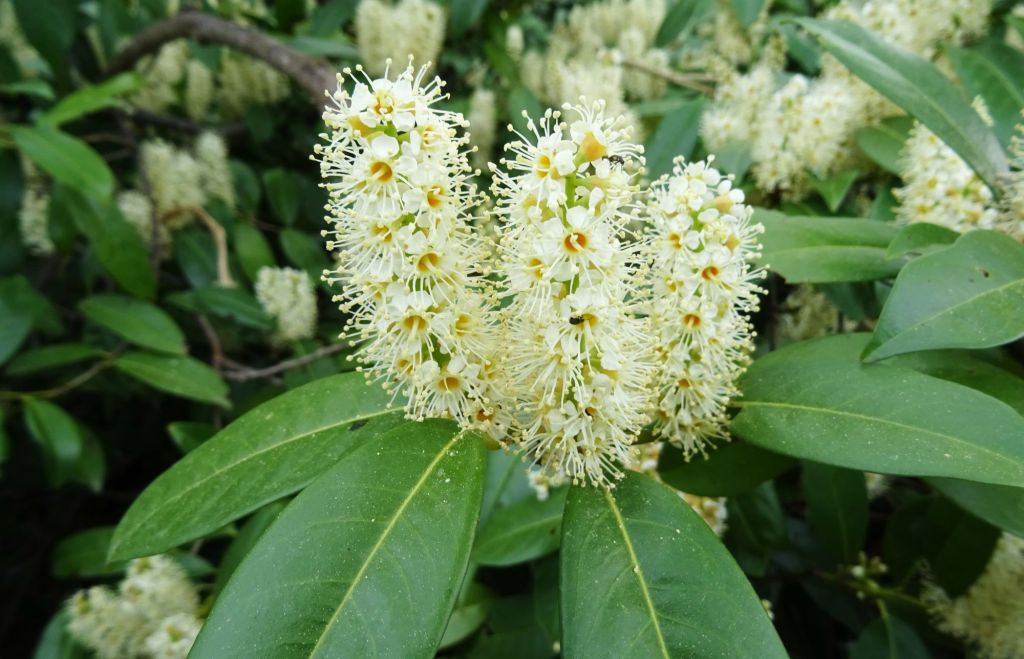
<point x="522" y="531"/>
<point x="268" y="453"/>
<point x="175" y="374"/>
<point x="57" y="434"/>
<point x="644" y="576"/>
<point x="883" y="142"/>
<point x="391" y="523"/>
<point x="67" y="159"/>
<point x="141" y="323"/>
<point x="675" y="135"/>
<point x="837" y="509"/>
<point x="728" y="470"/>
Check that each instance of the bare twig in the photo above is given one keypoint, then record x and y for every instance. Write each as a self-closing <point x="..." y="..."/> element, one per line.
<point x="181" y="124"/>
<point x="220" y="239"/>
<point x="700" y="82"/>
<point x="68" y="385"/>
<point x="313" y="75"/>
<point x="246" y="373"/>
<point x="216" y="352"/>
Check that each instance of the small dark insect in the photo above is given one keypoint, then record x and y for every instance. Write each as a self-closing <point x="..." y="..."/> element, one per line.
<point x="618" y="161"/>
<point x="575" y="320"/>
<point x="357" y="425"/>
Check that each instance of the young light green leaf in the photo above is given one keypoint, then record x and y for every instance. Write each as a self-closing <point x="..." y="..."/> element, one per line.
<point x="675" y="135"/>
<point x="643" y="576"/>
<point x="728" y="470"/>
<point x="1003" y="96"/>
<point x="917" y="86"/>
<point x="57" y="434"/>
<point x="826" y="249"/>
<point x="175" y="374"/>
<point x="837" y="508"/>
<point x="143" y="324"/>
<point x="883" y="142"/>
<point x="90" y="99"/>
<point x="270" y="452"/>
<point x="67" y="159"/>
<point x="521" y="532"/>
<point x="920" y="238"/>
<point x="815" y="400"/>
<point x="54" y="356"/>
<point x="966" y="296"/>
<point x="366" y="561"/>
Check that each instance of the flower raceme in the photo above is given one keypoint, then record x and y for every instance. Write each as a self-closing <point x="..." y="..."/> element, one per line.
<point x="400" y="201"/>
<point x="587" y="297"/>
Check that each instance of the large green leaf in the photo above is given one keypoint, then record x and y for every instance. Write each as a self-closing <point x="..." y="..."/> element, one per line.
<point x="999" y="505"/>
<point x="837" y="508"/>
<point x="917" y="86"/>
<point x="966" y="296"/>
<point x="826" y="249"/>
<point x="90" y="99"/>
<point x="175" y="374"/>
<point x="921" y="238"/>
<point x="521" y="532"/>
<point x="643" y="576"/>
<point x="143" y="324"/>
<point x="366" y="561"/>
<point x="67" y="159"/>
<point x="268" y="453"/>
<point x="982" y="76"/>
<point x="727" y="471"/>
<point x="815" y="400"/>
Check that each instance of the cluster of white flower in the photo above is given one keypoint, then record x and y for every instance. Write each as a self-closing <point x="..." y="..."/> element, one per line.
<point x="244" y="83"/>
<point x="703" y="240"/>
<point x="288" y="296"/>
<point x="34" y="214"/>
<point x="397" y="31"/>
<point x="401" y="199"/>
<point x="581" y="368"/>
<point x="990" y="615"/>
<point x="723" y="42"/>
<point x="543" y="481"/>
<point x="711" y="509"/>
<point x="483" y="117"/>
<point x="153" y="614"/>
<point x="1013" y="195"/>
<point x="806" y="313"/>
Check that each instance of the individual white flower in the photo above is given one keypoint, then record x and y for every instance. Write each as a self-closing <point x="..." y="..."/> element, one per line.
<point x="542" y="482"/>
<point x="876" y="484"/>
<point x="412" y="267"/>
<point x="483" y="118"/>
<point x="990" y="615"/>
<point x="174" y="637"/>
<point x="396" y="32"/>
<point x="288" y="296"/>
<point x="703" y="239"/>
<point x="582" y="361"/>
<point x="211" y="155"/>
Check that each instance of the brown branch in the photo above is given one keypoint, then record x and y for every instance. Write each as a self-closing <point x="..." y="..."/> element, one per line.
<point x="700" y="82"/>
<point x="220" y="240"/>
<point x="182" y="125"/>
<point x="315" y="76"/>
<point x="246" y="373"/>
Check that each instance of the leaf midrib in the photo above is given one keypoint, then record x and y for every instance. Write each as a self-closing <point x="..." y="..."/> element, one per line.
<point x="638" y="572"/>
<point x="168" y="501"/>
<point x="875" y="419"/>
<point x="384" y="536"/>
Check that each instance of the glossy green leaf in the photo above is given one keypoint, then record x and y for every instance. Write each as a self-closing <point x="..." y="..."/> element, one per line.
<point x="116" y="244"/>
<point x="283" y="194"/>
<point x="67" y="159"/>
<point x="970" y="369"/>
<point x="247" y="537"/>
<point x="253" y="250"/>
<point x="681" y="19"/>
<point x="90" y="99"/>
<point x="268" y="453"/>
<point x="889" y="638"/>
<point x="643" y="576"/>
<point x="175" y="374"/>
<point x="837" y="509"/>
<point x="143" y="324"/>
<point x="1002" y="93"/>
<point x="32" y="361"/>
<point x="57" y="434"/>
<point x="365" y="562"/>
<point x="521" y="532"/>
<point x="999" y="505"/>
<point x="920" y="238"/>
<point x="470" y="611"/>
<point x="917" y="86"/>
<point x="728" y="470"/>
<point x="816" y="400"/>
<point x="826" y="249"/>
<point x="883" y="142"/>
<point x="506" y="483"/>
<point x="84" y="555"/>
<point x="675" y="136"/>
<point x="966" y="296"/>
